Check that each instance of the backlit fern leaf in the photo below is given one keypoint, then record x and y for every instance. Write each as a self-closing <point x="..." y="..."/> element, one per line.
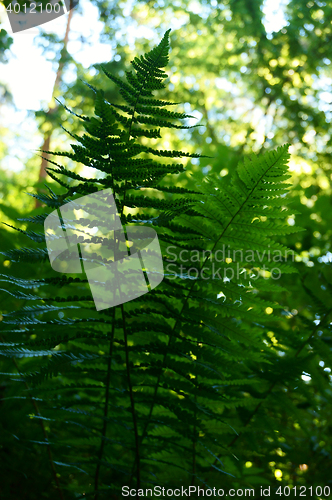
<point x="164" y="379"/>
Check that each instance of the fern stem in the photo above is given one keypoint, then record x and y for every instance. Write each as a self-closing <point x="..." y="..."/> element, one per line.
<point x="194" y="437"/>
<point x="49" y="451"/>
<point x="107" y="394"/>
<point x="137" y="444"/>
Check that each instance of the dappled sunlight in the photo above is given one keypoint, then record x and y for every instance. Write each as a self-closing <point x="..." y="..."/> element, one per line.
<point x="212" y="364"/>
<point x="300" y="166"/>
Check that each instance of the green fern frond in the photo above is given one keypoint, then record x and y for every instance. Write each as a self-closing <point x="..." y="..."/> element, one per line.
<point x="38" y="237"/>
<point x="151" y="390"/>
<point x="26" y="255"/>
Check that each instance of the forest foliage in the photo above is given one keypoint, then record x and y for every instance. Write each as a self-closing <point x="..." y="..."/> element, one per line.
<point x="217" y="383"/>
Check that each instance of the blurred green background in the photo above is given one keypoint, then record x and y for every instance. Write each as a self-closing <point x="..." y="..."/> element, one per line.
<point x="255" y="74"/>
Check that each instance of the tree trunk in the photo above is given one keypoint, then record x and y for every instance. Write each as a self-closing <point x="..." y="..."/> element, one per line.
<point x="53" y="107"/>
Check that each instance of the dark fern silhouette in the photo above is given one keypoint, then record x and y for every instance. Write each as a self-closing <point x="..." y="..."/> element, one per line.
<point x="153" y="391"/>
